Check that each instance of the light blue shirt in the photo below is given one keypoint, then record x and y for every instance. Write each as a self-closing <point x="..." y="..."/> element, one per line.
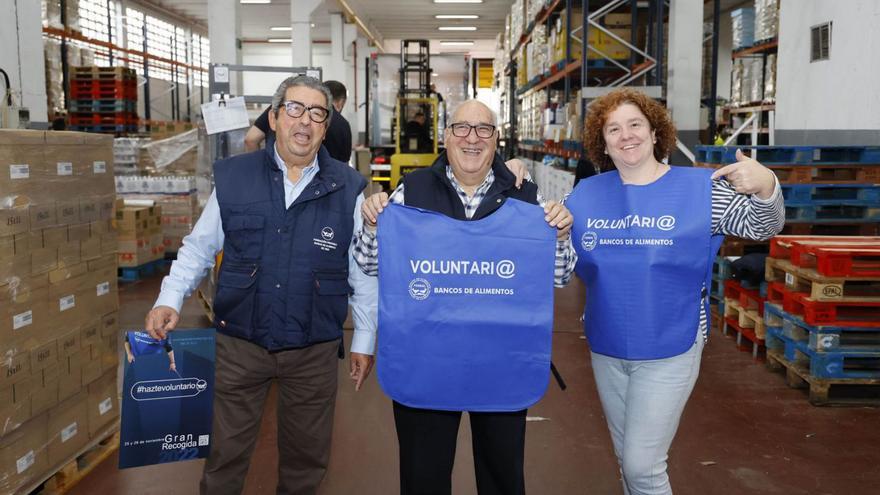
<point x="196" y="256"/>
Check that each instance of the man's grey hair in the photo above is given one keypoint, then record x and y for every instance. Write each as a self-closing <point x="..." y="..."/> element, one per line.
<point x="472" y="101"/>
<point x="305" y="81"/>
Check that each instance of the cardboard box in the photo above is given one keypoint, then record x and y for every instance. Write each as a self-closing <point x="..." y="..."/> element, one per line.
<point x="91" y="370"/>
<point x="23" y="316"/>
<point x="110" y="324"/>
<point x="103" y="402"/>
<point x="24" y="388"/>
<point x="71" y="383"/>
<point x="53" y="237"/>
<point x="69" y="253"/>
<point x="21" y="160"/>
<point x="43" y="260"/>
<point x="68" y="344"/>
<point x="79" y="232"/>
<point x="68" y="428"/>
<point x="89" y="209"/>
<point x="15" y="369"/>
<point x="43" y="215"/>
<point x="52" y="372"/>
<point x="14" y="218"/>
<point x="23" y="454"/>
<point x="68" y="212"/>
<point x="90" y="248"/>
<point x="90" y="334"/>
<point x="44" y="397"/>
<point x="12" y="414"/>
<point x="44" y="355"/>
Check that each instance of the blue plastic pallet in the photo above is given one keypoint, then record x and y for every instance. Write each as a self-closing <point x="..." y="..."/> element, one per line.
<point x="103" y="105"/>
<point x="856" y="364"/>
<point x="793" y="155"/>
<point x="829" y="193"/>
<point x="843" y="211"/>
<point x="104" y="128"/>
<point x="821" y="338"/>
<point x="135" y="273"/>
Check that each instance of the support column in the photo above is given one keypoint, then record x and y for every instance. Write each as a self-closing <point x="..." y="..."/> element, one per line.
<point x="224" y="33"/>
<point x="301" y="32"/>
<point x="21" y="43"/>
<point x="684" y="70"/>
<point x="345" y="72"/>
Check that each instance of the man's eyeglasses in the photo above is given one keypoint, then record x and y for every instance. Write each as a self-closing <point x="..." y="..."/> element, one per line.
<point x="296" y="109"/>
<point x="483" y="131"/>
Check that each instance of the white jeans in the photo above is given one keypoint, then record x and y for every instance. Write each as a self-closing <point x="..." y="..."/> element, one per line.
<point x="643" y="402"/>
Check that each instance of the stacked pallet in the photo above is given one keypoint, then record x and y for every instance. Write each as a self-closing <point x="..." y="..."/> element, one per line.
<point x="823" y="316"/>
<point x="58" y="302"/>
<point x="140" y="240"/>
<point x="743" y="312"/>
<point x="103" y="99"/>
<point x="177" y="197"/>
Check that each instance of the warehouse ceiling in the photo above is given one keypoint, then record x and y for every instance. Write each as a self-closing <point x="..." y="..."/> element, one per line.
<point x="392" y="19"/>
<point x="389" y="19"/>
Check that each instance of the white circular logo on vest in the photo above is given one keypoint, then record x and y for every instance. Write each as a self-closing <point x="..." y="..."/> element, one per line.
<point x="419" y="289"/>
<point x="588" y="241"/>
<point x="201" y="385"/>
<point x="327" y="233"/>
<point x="666" y="222"/>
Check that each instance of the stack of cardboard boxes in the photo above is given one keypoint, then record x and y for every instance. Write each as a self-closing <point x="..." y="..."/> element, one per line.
<point x="140" y="235"/>
<point x="58" y="300"/>
<point x="177" y="197"/>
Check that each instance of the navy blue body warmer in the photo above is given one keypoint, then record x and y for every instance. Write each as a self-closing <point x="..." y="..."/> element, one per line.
<point x="283" y="281"/>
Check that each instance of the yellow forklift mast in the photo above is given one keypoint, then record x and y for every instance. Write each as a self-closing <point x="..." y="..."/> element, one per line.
<point x="416" y="112"/>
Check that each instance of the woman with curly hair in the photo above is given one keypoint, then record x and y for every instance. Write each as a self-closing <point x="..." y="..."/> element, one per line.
<point x="646" y="234"/>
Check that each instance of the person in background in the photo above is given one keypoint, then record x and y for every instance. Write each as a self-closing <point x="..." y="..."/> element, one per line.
<point x="141" y="344"/>
<point x="338" y="138"/>
<point x="416" y="130"/>
<point x="646" y="235"/>
<point x="284" y="218"/>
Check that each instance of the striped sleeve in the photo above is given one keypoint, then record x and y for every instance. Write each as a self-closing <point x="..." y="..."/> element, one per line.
<point x="746" y="216"/>
<point x="366" y="245"/>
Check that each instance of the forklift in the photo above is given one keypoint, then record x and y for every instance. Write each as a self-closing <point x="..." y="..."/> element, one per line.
<point x="416" y="112"/>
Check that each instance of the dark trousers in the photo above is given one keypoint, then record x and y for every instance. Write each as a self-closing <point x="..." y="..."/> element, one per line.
<point x="427" y="441"/>
<point x="306" y="397"/>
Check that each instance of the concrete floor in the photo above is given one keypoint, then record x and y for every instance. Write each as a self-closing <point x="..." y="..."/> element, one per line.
<point x="744" y="431"/>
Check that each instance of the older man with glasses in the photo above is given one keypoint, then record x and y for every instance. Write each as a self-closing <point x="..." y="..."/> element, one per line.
<point x="284" y="218"/>
<point x="468" y="182"/>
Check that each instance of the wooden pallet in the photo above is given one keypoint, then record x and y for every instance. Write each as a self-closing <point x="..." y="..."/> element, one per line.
<point x="859" y="364"/>
<point x="831" y="229"/>
<point x="851" y="260"/>
<point x="820" y="287"/>
<point x="826" y="392"/>
<point x="781" y="246"/>
<point x="746" y="338"/>
<point x="64" y="476"/>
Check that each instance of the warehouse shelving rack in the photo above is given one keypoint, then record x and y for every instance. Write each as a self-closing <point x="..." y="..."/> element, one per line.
<point x="644" y="66"/>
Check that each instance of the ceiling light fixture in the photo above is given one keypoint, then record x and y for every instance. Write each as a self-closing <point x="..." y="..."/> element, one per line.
<point x="456" y="16"/>
<point x="456" y="28"/>
<point x="280" y="28"/>
<point x="280" y="40"/>
<point x="458" y="1"/>
<point x="255" y="1"/>
<point x="457" y="43"/>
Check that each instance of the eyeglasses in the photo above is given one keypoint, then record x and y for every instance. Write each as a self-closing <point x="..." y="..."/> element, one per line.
<point x="461" y="130"/>
<point x="296" y="109"/>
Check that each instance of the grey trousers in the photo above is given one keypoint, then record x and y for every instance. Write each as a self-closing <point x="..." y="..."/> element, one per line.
<point x="306" y="397"/>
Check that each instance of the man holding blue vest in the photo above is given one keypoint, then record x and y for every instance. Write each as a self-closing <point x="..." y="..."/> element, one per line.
<point x="468" y="182"/>
<point x="284" y="218"/>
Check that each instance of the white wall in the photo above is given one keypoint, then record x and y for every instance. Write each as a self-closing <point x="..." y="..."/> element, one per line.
<point x="21" y="55"/>
<point x="836" y="94"/>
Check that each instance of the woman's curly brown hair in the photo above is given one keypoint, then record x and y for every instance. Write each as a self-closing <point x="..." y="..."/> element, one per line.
<point x="658" y="119"/>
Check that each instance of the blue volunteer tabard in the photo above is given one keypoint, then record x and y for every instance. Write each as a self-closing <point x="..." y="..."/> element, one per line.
<point x="465" y="308"/>
<point x="644" y="253"/>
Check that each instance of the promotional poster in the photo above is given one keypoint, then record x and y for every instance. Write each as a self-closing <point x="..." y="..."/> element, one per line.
<point x="167" y="397"/>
